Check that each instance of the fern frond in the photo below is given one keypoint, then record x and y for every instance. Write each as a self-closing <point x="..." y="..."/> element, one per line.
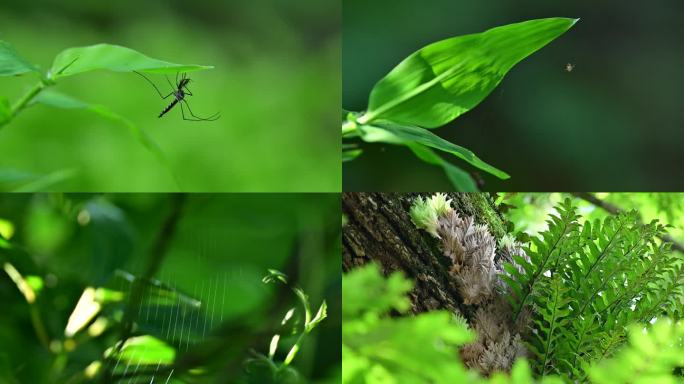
<point x="545" y="252"/>
<point x="553" y="319"/>
<point x="667" y="297"/>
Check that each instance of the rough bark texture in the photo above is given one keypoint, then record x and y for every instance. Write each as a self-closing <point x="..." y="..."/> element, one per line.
<point x="379" y="228"/>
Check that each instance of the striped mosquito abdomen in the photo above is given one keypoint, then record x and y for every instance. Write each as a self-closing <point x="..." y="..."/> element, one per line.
<point x="179" y="95"/>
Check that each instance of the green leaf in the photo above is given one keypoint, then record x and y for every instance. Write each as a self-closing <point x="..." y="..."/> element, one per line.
<point x="459" y="178"/>
<point x="5" y="110"/>
<point x="651" y="356"/>
<point x="145" y="350"/>
<point x="273" y="276"/>
<point x="321" y="314"/>
<point x="116" y="58"/>
<point x="60" y="100"/>
<point x="378" y="348"/>
<point x="445" y="79"/>
<point x="351" y="154"/>
<point x="11" y="63"/>
<point x="521" y="372"/>
<point x="365" y="291"/>
<point x="404" y="135"/>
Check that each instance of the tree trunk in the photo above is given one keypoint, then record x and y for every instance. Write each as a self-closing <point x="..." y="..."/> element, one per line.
<point x="379" y="228"/>
<point x="455" y="268"/>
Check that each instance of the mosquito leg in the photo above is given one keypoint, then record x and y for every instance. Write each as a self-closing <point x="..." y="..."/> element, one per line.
<point x="187" y="91"/>
<point x="186" y="118"/>
<point x="213" y="117"/>
<point x="169" y="81"/>
<point x="183" y="114"/>
<point x="155" y="87"/>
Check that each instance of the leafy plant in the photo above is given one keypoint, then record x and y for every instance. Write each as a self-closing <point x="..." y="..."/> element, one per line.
<point x="378" y="348"/>
<point x="264" y="368"/>
<point x="651" y="356"/>
<point x="440" y="82"/>
<point x="74" y="61"/>
<point x="194" y="320"/>
<point x="585" y="283"/>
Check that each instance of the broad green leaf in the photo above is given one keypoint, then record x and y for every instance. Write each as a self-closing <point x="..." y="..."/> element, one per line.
<point x="404" y="135"/>
<point x="459" y="178"/>
<point x="11" y="63"/>
<point x="116" y="58"/>
<point x="445" y="79"/>
<point x="5" y="110"/>
<point x="60" y="100"/>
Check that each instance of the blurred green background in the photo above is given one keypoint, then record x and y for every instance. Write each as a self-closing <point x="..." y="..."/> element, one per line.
<point x="276" y="83"/>
<point x="613" y="123"/>
<point x="223" y="243"/>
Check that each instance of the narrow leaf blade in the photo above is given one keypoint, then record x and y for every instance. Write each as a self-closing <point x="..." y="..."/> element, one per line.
<point x="459" y="178"/>
<point x="404" y="135"/>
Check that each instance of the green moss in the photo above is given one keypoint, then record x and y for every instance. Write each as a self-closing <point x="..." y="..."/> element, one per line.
<point x="481" y="206"/>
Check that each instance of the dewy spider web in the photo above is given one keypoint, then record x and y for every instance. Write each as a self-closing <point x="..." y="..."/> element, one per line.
<point x="173" y="316"/>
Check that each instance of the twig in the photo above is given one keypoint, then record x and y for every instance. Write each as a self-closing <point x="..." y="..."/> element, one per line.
<point x="614" y="210"/>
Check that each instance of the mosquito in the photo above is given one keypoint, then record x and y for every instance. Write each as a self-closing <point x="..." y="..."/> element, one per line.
<point x="180" y="91"/>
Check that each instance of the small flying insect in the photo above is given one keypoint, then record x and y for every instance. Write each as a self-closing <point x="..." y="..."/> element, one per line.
<point x="569" y="67"/>
<point x="180" y="91"/>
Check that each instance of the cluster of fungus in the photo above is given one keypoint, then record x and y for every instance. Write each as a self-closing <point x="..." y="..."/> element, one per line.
<point x="476" y="265"/>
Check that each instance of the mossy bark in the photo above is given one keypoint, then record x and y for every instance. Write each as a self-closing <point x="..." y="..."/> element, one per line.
<point x="380" y="229"/>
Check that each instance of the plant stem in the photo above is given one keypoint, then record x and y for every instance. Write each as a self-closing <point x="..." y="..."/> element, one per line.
<point x="348" y="127"/>
<point x="39" y="327"/>
<point x="24" y="100"/>
<point x="295" y="348"/>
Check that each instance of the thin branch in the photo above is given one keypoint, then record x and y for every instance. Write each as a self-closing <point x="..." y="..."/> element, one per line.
<point x="614" y="210"/>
